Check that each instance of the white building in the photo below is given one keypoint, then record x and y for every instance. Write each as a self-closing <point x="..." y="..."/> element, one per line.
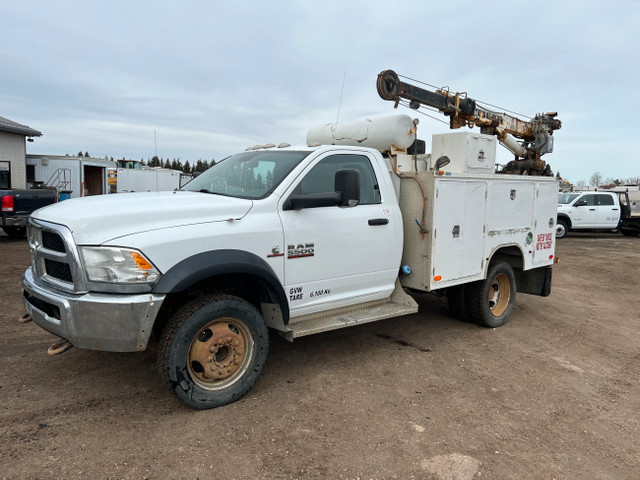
<point x="72" y="177"/>
<point x="132" y="176"/>
<point x="13" y="150"/>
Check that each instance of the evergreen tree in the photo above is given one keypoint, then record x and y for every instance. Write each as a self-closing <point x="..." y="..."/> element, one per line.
<point x="187" y="167"/>
<point x="86" y="154"/>
<point x="243" y="176"/>
<point x="167" y="164"/>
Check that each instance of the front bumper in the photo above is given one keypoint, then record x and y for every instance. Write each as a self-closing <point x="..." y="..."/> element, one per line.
<point x="110" y="322"/>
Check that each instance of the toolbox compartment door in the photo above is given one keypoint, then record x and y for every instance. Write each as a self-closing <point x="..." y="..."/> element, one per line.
<point x="459" y="219"/>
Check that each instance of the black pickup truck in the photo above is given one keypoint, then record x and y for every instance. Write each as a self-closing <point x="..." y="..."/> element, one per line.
<point x="17" y="205"/>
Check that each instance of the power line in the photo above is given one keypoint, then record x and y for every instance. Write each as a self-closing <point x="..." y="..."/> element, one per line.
<point x="406" y="104"/>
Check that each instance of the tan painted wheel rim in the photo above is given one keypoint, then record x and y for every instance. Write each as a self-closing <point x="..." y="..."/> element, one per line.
<point x="499" y="294"/>
<point x="220" y="354"/>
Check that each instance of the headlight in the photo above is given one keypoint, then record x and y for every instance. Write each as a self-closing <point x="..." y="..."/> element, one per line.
<point x="117" y="265"/>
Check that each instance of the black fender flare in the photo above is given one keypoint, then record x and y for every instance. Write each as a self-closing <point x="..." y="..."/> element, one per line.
<point x="566" y="218"/>
<point x="214" y="263"/>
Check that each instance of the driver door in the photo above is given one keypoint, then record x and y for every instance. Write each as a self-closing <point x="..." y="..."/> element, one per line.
<point x="585" y="216"/>
<point x="341" y="255"/>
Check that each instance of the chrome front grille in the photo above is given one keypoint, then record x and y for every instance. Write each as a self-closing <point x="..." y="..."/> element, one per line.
<point x="59" y="270"/>
<point x="54" y="256"/>
<point x="52" y="241"/>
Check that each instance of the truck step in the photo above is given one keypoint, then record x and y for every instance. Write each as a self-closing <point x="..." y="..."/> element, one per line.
<point x="395" y="306"/>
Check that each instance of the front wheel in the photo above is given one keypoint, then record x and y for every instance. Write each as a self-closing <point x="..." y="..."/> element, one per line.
<point x="561" y="229"/>
<point x="213" y="350"/>
<point x="492" y="299"/>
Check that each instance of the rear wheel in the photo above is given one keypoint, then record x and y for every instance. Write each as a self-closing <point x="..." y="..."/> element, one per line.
<point x="492" y="299"/>
<point x="457" y="300"/>
<point x="15" y="232"/>
<point x="629" y="232"/>
<point x="213" y="350"/>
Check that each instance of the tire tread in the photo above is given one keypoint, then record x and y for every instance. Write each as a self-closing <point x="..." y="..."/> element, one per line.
<point x="172" y="328"/>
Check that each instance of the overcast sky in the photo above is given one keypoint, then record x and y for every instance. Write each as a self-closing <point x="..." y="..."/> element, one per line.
<point x="211" y="78"/>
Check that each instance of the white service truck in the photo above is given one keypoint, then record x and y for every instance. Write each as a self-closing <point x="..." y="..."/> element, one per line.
<point x="299" y="240"/>
<point x="597" y="210"/>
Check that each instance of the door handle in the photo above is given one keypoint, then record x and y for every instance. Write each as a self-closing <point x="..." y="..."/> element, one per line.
<point x="592" y="209"/>
<point x="378" y="221"/>
<point x="614" y="209"/>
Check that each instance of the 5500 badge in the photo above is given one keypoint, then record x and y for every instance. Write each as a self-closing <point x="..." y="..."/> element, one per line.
<point x="300" y="250"/>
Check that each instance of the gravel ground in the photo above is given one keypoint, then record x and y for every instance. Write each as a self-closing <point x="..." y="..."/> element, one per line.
<point x="553" y="394"/>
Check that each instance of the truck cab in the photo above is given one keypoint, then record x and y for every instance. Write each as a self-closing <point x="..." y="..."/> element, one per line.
<point x="587" y="211"/>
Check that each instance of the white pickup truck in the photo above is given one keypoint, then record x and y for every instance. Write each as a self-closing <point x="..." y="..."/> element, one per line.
<point x="587" y="211"/>
<point x="298" y="240"/>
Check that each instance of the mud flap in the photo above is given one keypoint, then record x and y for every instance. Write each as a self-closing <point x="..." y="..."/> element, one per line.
<point x="535" y="282"/>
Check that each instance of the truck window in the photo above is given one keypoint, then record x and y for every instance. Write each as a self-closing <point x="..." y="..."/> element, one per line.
<point x="321" y="178"/>
<point x="603" y="199"/>
<point x="590" y="199"/>
<point x="566" y="198"/>
<point x="252" y="175"/>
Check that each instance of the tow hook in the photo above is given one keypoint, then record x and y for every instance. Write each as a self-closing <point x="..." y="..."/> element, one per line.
<point x="59" y="347"/>
<point x="26" y="318"/>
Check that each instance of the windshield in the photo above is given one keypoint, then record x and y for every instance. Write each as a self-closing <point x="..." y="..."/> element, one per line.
<point x="566" y="198"/>
<point x="247" y="175"/>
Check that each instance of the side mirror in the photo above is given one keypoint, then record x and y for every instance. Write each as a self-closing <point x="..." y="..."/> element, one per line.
<point x="580" y="203"/>
<point x="313" y="200"/>
<point x="347" y="182"/>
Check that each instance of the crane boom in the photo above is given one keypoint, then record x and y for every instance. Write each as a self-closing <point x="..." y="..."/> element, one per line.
<point x="535" y="135"/>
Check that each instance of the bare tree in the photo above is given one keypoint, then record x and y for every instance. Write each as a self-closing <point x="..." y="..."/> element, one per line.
<point x="581" y="183"/>
<point x="632" y="181"/>
<point x="595" y="179"/>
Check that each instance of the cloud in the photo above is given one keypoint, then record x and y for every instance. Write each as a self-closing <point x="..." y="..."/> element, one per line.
<point x="214" y="77"/>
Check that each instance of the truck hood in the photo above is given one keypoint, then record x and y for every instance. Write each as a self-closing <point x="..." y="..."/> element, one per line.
<point x="101" y="218"/>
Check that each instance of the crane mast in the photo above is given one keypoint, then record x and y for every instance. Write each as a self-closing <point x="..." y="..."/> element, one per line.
<point x="528" y="140"/>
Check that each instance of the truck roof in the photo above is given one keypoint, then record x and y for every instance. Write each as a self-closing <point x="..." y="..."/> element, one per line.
<point x="313" y="148"/>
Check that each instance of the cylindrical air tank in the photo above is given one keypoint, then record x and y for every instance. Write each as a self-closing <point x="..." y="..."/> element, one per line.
<point x="379" y="133"/>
